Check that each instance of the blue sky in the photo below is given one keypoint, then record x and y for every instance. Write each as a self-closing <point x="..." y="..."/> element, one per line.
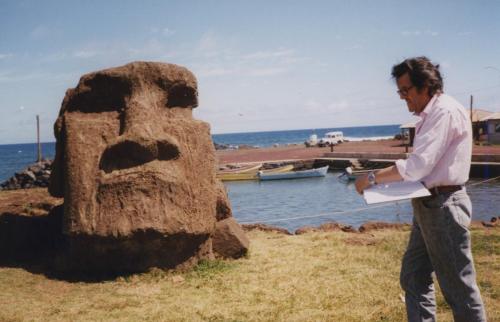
<point x="260" y="65"/>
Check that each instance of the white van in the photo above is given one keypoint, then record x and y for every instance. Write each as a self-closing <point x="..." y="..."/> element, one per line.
<point x="330" y="138"/>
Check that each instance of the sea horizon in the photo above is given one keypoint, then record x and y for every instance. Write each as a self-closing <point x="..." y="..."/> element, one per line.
<point x="248" y="132"/>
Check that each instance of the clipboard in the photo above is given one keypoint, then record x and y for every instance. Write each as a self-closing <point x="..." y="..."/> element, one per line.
<point x="394" y="191"/>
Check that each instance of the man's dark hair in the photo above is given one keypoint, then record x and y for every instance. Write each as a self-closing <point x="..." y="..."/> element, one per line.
<point x="422" y="73"/>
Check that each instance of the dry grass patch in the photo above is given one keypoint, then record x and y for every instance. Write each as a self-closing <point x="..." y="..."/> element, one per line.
<point x="312" y="277"/>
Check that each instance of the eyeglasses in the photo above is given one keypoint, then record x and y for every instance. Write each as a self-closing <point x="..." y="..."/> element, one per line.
<point x="404" y="91"/>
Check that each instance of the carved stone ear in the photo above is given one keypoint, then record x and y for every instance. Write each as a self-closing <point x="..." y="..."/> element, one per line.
<point x="56" y="183"/>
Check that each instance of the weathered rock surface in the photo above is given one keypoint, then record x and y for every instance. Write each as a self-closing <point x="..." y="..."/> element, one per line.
<point x="326" y="227"/>
<point x="136" y="170"/>
<point x="223" y="209"/>
<point x="30" y="225"/>
<point x="229" y="239"/>
<point x="492" y="223"/>
<point x="36" y="175"/>
<point x="265" y="227"/>
<point x="378" y="225"/>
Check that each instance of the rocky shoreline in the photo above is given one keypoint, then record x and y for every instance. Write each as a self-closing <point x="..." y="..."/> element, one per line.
<point x="35" y="176"/>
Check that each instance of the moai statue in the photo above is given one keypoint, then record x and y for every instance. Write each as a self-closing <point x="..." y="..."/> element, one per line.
<point x="136" y="170"/>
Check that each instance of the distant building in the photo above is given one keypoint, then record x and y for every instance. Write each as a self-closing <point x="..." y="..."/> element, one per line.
<point x="478" y="115"/>
<point x="485" y="127"/>
<point x="492" y="123"/>
<point x="408" y="131"/>
<point x="478" y="125"/>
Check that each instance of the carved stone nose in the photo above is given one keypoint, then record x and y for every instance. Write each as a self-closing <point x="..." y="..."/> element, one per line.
<point x="131" y="153"/>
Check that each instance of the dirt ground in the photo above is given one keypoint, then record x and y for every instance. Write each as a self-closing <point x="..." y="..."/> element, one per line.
<point x="300" y="152"/>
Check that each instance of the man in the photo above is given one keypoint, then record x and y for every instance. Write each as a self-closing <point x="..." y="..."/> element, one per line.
<point x="440" y="239"/>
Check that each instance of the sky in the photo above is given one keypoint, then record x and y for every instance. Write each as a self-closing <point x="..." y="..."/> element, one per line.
<point x="260" y="65"/>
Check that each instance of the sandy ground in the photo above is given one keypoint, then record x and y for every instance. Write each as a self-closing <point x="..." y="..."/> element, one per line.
<point x="299" y="152"/>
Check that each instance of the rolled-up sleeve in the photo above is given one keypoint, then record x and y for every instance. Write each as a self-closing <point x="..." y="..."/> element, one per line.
<point x="429" y="145"/>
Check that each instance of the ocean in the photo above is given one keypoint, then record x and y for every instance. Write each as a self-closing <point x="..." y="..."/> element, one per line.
<point x="266" y="139"/>
<point x="293" y="203"/>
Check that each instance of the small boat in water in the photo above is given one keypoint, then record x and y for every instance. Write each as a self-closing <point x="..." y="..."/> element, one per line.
<point x="243" y="169"/>
<point x="350" y="174"/>
<point x="251" y="175"/>
<point x="319" y="172"/>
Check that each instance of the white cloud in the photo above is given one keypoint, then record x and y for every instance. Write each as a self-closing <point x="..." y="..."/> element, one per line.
<point x="167" y="32"/>
<point x="54" y="57"/>
<point x="21" y="107"/>
<point x="216" y="71"/>
<point x="269" y="54"/>
<point x="207" y="43"/>
<point x="4" y="56"/>
<point x="354" y="47"/>
<point x="271" y="71"/>
<point x="10" y="77"/>
<point x="418" y="33"/>
<point x="40" y="32"/>
<point x="445" y="64"/>
<point x="338" y="106"/>
<point x="407" y="33"/>
<point x="313" y="105"/>
<point x="84" y="54"/>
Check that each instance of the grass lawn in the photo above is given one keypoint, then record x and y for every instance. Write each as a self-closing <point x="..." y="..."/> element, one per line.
<point x="312" y="277"/>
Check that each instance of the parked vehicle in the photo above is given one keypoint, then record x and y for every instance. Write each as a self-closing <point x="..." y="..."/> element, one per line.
<point x="331" y="138"/>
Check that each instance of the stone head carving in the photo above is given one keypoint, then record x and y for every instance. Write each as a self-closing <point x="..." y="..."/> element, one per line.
<point x="132" y="162"/>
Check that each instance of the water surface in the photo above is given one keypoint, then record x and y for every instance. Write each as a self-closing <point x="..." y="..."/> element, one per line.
<point x="294" y="203"/>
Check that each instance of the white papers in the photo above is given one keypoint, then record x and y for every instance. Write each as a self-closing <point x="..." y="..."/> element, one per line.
<point x="395" y="191"/>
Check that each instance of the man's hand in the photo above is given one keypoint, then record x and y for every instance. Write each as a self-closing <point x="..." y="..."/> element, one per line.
<point x="389" y="174"/>
<point x="362" y="183"/>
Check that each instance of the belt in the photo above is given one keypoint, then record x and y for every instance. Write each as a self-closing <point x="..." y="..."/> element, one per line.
<point x="444" y="189"/>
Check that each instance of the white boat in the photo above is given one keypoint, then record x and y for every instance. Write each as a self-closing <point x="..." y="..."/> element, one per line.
<point x="313" y="141"/>
<point x="242" y="169"/>
<point x="251" y="175"/>
<point x="349" y="174"/>
<point x="319" y="172"/>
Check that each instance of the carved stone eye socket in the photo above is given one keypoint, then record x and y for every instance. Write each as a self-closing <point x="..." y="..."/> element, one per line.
<point x="182" y="96"/>
<point x="102" y="93"/>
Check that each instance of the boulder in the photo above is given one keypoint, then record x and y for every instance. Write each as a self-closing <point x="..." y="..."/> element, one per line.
<point x="265" y="227"/>
<point x="136" y="170"/>
<point x="326" y="227"/>
<point x="305" y="229"/>
<point x="379" y="225"/>
<point x="229" y="239"/>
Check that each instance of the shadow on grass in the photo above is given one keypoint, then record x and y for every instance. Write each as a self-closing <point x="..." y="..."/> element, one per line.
<point x="36" y="244"/>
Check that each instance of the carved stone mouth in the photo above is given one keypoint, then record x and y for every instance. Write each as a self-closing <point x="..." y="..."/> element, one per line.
<point x="135" y="174"/>
<point x="129" y="154"/>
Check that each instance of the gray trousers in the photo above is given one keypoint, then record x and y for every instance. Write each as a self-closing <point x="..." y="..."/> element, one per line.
<point x="440" y="242"/>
